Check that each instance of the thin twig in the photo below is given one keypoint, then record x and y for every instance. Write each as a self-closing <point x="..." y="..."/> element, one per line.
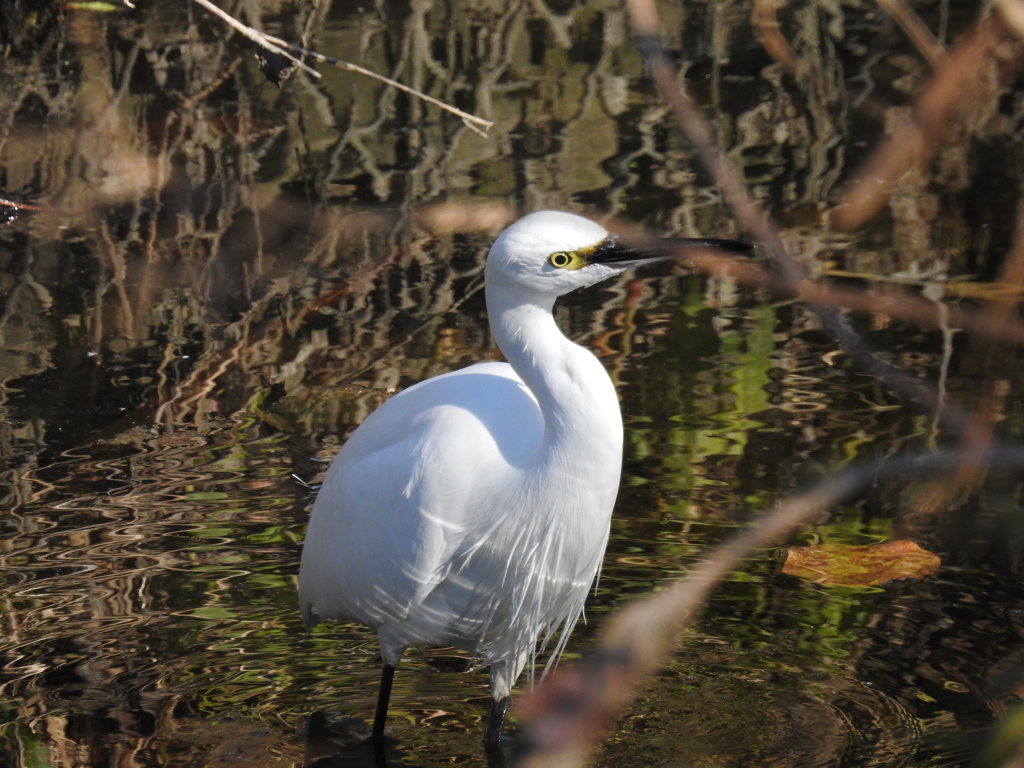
<point x="288" y="50"/>
<point x="5" y="203"/>
<point x="472" y="121"/>
<point x="257" y="37"/>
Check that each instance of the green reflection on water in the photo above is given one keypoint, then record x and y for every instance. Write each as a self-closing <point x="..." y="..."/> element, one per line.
<point x="194" y="568"/>
<point x="148" y="580"/>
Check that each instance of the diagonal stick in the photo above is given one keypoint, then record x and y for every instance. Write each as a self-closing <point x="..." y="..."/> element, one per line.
<point x="257" y="37"/>
<point x="472" y="121"/>
<point x="288" y="50"/>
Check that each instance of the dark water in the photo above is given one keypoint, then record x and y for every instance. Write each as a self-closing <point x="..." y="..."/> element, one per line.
<point x="227" y="277"/>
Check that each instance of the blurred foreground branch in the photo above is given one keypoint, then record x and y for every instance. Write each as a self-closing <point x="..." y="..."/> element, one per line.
<point x="752" y="217"/>
<point x="916" y="30"/>
<point x="566" y="715"/>
<point x="971" y="71"/>
<point x="997" y="329"/>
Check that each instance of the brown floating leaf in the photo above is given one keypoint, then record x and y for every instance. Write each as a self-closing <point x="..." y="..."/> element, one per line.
<point x="839" y="565"/>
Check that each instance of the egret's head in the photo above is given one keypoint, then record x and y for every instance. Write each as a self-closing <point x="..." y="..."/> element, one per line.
<point x="547" y="254"/>
<point x="550" y="253"/>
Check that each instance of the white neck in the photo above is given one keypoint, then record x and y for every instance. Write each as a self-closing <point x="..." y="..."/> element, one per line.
<point x="582" y="421"/>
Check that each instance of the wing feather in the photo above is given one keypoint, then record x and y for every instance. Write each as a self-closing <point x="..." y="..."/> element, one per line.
<point x="397" y="505"/>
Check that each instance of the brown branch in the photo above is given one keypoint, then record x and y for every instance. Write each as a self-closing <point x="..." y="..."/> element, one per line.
<point x="916" y="30"/>
<point x="567" y="713"/>
<point x="753" y="218"/>
<point x="766" y="25"/>
<point x="917" y="140"/>
<point x="921" y="312"/>
<point x="743" y="205"/>
<point x="5" y="203"/>
<point x="1012" y="12"/>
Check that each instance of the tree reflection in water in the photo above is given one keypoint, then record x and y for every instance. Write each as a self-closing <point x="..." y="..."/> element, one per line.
<point x="227" y="277"/>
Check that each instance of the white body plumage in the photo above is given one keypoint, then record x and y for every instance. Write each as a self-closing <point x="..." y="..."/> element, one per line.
<point x="473" y="509"/>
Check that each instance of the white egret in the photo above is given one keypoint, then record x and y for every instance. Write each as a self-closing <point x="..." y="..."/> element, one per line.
<point x="473" y="508"/>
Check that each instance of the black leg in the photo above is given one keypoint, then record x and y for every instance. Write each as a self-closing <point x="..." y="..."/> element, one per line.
<point x="495" y="722"/>
<point x="387" y="677"/>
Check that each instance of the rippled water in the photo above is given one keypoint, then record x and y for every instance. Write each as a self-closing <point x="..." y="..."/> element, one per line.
<point x="149" y="589"/>
<point x="229" y="277"/>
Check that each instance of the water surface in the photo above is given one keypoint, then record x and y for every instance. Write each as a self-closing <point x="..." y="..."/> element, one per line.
<point x="229" y="276"/>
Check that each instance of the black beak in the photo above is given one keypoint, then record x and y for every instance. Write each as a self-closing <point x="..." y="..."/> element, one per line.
<point x="620" y="249"/>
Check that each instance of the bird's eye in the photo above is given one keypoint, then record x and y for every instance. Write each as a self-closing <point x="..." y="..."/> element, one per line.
<point x="561" y="260"/>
